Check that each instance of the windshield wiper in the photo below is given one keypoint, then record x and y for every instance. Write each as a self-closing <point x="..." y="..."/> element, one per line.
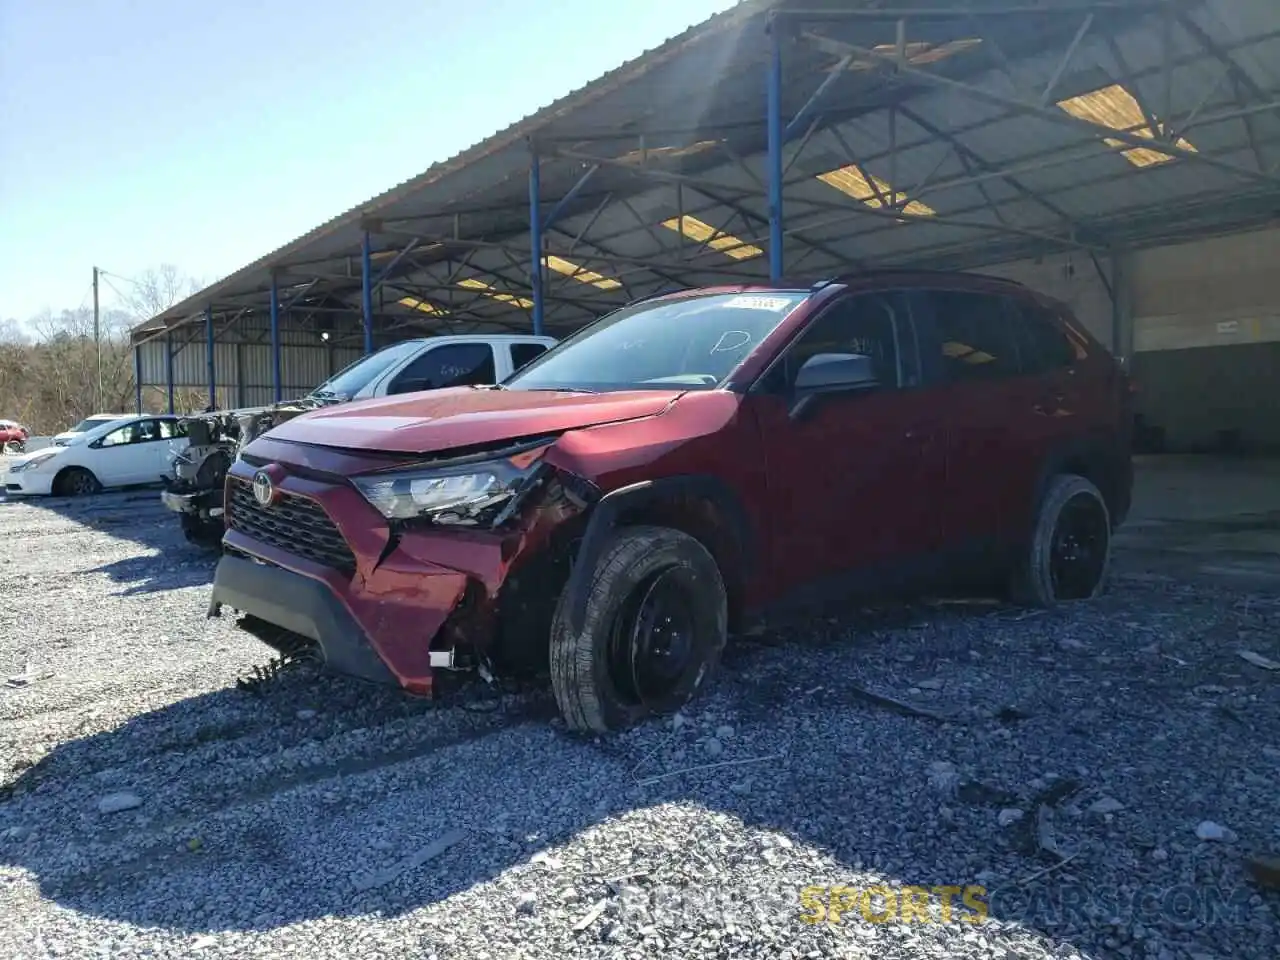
<point x="557" y="389"/>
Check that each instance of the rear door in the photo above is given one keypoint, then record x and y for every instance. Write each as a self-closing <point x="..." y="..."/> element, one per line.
<point x="446" y="365"/>
<point x="991" y="460"/>
<point x="853" y="481"/>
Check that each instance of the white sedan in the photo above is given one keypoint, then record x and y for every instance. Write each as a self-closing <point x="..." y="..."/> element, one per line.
<point x="87" y="424"/>
<point x="121" y="453"/>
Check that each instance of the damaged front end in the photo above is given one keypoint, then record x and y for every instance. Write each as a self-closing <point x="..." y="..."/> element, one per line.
<point x="193" y="486"/>
<point x="395" y="573"/>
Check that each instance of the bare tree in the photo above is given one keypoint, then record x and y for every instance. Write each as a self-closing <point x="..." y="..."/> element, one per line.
<point x="48" y="379"/>
<point x="158" y="289"/>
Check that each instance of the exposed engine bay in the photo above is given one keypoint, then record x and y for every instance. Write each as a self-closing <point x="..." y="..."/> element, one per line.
<point x="193" y="487"/>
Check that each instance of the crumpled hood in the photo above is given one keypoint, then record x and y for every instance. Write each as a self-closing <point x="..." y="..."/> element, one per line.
<point x="463" y="417"/>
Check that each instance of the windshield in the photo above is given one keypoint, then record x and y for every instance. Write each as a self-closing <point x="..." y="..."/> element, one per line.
<point x="90" y="423"/>
<point x="693" y="343"/>
<point x="354" y="377"/>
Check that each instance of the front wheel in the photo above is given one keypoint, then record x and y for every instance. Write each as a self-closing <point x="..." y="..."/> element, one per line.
<point x="655" y="625"/>
<point x="77" y="482"/>
<point x="15" y="446"/>
<point x="1069" y="555"/>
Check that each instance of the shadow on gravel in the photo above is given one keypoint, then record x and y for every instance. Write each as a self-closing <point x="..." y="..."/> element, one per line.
<point x="138" y="516"/>
<point x="317" y="796"/>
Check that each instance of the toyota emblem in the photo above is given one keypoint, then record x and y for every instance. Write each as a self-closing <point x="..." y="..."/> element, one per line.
<point x="264" y="490"/>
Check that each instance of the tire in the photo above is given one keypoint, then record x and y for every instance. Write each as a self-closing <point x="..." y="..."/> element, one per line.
<point x="77" y="482"/>
<point x="201" y="532"/>
<point x="601" y="677"/>
<point x="1072" y="522"/>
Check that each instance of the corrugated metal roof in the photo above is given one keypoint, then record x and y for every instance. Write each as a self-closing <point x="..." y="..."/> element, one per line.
<point x="996" y="178"/>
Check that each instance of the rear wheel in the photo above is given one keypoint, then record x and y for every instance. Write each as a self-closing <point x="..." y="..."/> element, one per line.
<point x="654" y="628"/>
<point x="1069" y="555"/>
<point x="77" y="482"/>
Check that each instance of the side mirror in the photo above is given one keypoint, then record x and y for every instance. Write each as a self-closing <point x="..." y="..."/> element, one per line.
<point x="95" y="444"/>
<point x="828" y="372"/>
<point x="825" y="373"/>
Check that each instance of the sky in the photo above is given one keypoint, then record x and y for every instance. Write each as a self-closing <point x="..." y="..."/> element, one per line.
<point x="206" y="134"/>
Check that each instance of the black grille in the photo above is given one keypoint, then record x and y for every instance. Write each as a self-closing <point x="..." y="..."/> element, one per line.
<point x="293" y="524"/>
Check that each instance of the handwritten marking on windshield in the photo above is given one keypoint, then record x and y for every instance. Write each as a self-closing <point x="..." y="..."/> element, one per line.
<point x="737" y="340"/>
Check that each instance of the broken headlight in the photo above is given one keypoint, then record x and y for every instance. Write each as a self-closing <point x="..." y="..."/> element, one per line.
<point x="475" y="494"/>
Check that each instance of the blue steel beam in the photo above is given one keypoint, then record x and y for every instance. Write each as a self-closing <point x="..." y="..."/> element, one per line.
<point x="137" y="377"/>
<point x="276" y="375"/>
<point x="168" y="366"/>
<point x="802" y="118"/>
<point x="208" y="346"/>
<point x="774" y="122"/>
<point x="568" y="198"/>
<point x="366" y="291"/>
<point x="535" y="241"/>
<point x="386" y="271"/>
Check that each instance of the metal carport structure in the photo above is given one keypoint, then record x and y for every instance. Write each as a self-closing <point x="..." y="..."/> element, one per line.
<point x="783" y="137"/>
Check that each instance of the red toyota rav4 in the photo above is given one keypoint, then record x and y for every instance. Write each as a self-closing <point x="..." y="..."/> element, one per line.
<point x="617" y="506"/>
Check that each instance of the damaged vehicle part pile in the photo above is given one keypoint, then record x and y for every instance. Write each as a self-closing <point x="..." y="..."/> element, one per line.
<point x="197" y="475"/>
<point x="619" y="506"/>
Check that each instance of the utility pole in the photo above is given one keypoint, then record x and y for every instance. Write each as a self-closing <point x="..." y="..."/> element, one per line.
<point x="97" y="342"/>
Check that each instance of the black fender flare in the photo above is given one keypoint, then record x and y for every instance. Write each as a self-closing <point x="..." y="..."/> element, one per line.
<point x="607" y="510"/>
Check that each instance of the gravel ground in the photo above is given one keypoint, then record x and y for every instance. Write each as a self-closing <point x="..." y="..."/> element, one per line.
<point x="316" y="817"/>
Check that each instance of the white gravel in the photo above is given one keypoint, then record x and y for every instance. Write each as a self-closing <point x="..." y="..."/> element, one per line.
<point x="324" y="818"/>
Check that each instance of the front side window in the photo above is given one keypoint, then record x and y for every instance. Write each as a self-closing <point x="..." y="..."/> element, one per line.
<point x="691" y="343"/>
<point x="872" y="325"/>
<point x="125" y="435"/>
<point x="977" y="340"/>
<point x="453" y="365"/>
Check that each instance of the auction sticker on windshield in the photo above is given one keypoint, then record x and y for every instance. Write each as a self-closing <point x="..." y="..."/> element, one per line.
<point x="775" y="304"/>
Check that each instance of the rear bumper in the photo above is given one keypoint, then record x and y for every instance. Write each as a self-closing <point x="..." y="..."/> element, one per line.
<point x="305" y="607"/>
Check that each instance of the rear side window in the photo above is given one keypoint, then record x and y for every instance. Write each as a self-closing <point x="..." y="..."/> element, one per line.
<point x="1042" y="344"/>
<point x="976" y="337"/>
<point x="522" y="353"/>
<point x="452" y="365"/>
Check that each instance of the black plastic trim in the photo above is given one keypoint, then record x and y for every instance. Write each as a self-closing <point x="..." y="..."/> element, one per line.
<point x="303" y="606"/>
<point x="604" y="518"/>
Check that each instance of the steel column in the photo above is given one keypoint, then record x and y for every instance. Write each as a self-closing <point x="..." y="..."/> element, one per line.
<point x="168" y="366"/>
<point x="277" y="378"/>
<point x="208" y="346"/>
<point x="137" y="377"/>
<point x="774" y="119"/>
<point x="366" y="292"/>
<point x="535" y="241"/>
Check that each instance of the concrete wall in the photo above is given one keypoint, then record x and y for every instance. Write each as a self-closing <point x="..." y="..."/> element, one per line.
<point x="1202" y="336"/>
<point x="1207" y="339"/>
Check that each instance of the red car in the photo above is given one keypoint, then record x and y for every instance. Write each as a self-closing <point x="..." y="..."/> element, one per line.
<point x="618" y="506"/>
<point x="13" y="436"/>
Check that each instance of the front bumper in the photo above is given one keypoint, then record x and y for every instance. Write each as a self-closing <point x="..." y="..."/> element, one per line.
<point x="303" y="606"/>
<point x="206" y="501"/>
<point x="28" y="483"/>
<point x="395" y="607"/>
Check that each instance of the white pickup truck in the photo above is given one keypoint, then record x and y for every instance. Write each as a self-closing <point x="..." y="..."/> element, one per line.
<point x="193" y="487"/>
